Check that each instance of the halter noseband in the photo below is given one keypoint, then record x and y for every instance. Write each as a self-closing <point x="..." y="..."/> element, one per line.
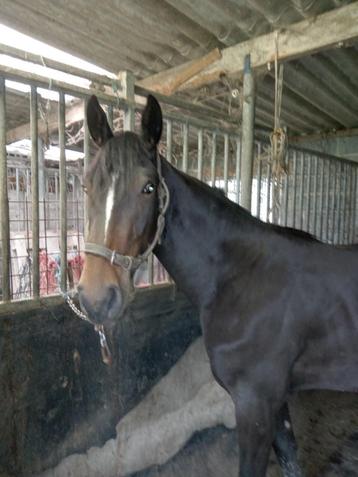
<point x="127" y="262"/>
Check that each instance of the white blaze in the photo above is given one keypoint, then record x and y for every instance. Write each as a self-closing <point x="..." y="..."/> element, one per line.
<point x="109" y="206"/>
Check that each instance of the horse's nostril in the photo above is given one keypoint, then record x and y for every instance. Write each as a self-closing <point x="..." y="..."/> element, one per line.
<point x="107" y="306"/>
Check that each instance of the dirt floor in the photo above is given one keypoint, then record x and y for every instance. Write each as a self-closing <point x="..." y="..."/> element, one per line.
<point x="326" y="426"/>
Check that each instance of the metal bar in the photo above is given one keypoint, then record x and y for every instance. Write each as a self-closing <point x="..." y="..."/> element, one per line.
<point x="200" y="154"/>
<point x="226" y="163"/>
<point x="354" y="214"/>
<point x="63" y="192"/>
<point x="301" y="191"/>
<point x="35" y="194"/>
<point x="347" y="202"/>
<point x="339" y="202"/>
<point x="294" y="205"/>
<point x="238" y="169"/>
<point x="351" y="206"/>
<point x="213" y="160"/>
<point x="258" y="182"/>
<point x="127" y="84"/>
<point x="342" y="207"/>
<point x="329" y="181"/>
<point x="287" y="178"/>
<point x="151" y="269"/>
<point x="86" y="159"/>
<point x="248" y="119"/>
<point x="320" y="209"/>
<point x="315" y="198"/>
<point x="334" y="205"/>
<point x="185" y="147"/>
<point x="169" y="140"/>
<point x="269" y="190"/>
<point x="110" y="115"/>
<point x="309" y="168"/>
<point x="4" y="200"/>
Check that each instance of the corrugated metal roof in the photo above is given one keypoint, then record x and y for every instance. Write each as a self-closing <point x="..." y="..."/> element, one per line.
<point x="320" y="92"/>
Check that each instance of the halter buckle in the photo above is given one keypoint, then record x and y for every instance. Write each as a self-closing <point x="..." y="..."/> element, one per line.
<point x="113" y="257"/>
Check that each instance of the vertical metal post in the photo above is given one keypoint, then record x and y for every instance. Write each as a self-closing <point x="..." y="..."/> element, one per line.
<point x="226" y="163"/>
<point x="258" y="181"/>
<point x="86" y="160"/>
<point x="169" y="140"/>
<point x="63" y="191"/>
<point x="35" y="194"/>
<point x="185" y="147"/>
<point x="248" y="120"/>
<point x="269" y="192"/>
<point x="4" y="200"/>
<point x="315" y="198"/>
<point x="301" y="196"/>
<point x="320" y="209"/>
<point x="352" y="199"/>
<point x="294" y="187"/>
<point x="213" y="160"/>
<point x="328" y="201"/>
<point x="354" y="212"/>
<point x="110" y="115"/>
<point x="200" y="154"/>
<point x="309" y="167"/>
<point x="238" y="169"/>
<point x="334" y="206"/>
<point x="343" y="205"/>
<point x="287" y="183"/>
<point x="127" y="83"/>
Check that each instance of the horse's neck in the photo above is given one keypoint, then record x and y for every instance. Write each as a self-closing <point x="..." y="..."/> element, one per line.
<point x="197" y="227"/>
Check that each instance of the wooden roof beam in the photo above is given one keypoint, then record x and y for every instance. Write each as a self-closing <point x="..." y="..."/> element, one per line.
<point x="332" y="28"/>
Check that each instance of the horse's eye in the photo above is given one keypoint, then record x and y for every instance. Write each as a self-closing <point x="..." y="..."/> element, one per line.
<point x="149" y="188"/>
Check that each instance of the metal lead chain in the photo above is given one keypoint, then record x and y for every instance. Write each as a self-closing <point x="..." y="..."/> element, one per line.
<point x="105" y="351"/>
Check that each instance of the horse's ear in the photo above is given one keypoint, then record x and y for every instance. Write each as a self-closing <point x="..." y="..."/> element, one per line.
<point x="97" y="122"/>
<point x="152" y="121"/>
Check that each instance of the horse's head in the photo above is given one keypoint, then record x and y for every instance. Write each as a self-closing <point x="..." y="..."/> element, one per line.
<point x="123" y="188"/>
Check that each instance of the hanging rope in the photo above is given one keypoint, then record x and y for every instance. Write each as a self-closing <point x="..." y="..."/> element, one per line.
<point x="278" y="139"/>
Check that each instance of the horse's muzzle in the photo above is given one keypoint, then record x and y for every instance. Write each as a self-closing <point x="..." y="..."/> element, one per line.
<point x="100" y="309"/>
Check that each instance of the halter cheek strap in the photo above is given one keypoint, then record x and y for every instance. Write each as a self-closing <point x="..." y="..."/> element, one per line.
<point x="127" y="262"/>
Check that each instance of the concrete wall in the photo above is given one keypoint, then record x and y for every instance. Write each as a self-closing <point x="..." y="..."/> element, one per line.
<point x="56" y="395"/>
<point x="157" y="412"/>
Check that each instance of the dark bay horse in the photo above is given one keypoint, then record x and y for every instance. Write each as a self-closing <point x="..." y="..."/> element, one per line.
<point x="278" y="309"/>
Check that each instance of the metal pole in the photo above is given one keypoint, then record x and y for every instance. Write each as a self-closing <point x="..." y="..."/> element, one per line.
<point x="315" y="198"/>
<point x="248" y="120"/>
<point x="86" y="160"/>
<point x="226" y="163"/>
<point x="110" y="115"/>
<point x="319" y="231"/>
<point x="287" y="183"/>
<point x="127" y="83"/>
<point x="185" y="146"/>
<point x="169" y="140"/>
<point x="238" y="169"/>
<point x="328" y="201"/>
<point x="310" y="159"/>
<point x="294" y="189"/>
<point x="258" y="182"/>
<point x="4" y="200"/>
<point x="63" y="191"/>
<point x="354" y="213"/>
<point x="302" y="190"/>
<point x="213" y="160"/>
<point x="35" y="194"/>
<point x="269" y="191"/>
<point x="200" y="154"/>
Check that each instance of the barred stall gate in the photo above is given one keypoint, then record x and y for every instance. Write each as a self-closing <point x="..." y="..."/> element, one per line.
<point x="64" y="396"/>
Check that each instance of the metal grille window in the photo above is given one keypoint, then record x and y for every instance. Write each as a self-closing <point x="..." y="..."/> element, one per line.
<point x="43" y="208"/>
